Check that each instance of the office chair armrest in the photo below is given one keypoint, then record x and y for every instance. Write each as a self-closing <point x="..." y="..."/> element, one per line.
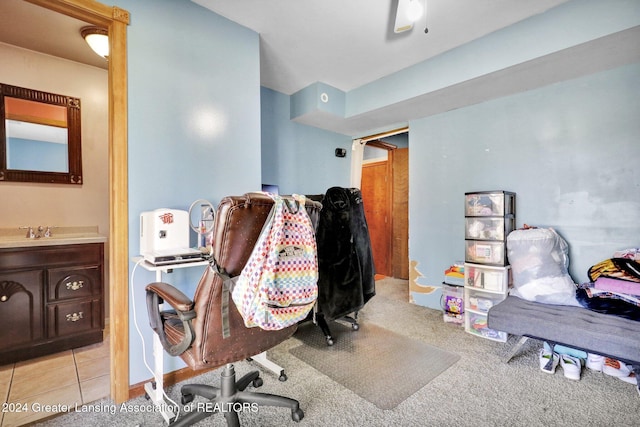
<point x="171" y="295"/>
<point x="158" y="293"/>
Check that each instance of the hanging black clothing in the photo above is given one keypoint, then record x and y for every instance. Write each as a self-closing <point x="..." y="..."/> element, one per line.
<point x="345" y="261"/>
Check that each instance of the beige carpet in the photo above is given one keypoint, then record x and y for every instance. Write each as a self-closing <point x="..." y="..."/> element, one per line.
<point x="378" y="365"/>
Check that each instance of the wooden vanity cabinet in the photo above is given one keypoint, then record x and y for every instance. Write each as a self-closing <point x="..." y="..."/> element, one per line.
<point x="51" y="299"/>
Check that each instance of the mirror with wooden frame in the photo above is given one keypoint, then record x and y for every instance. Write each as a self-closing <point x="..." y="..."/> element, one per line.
<point x="40" y="136"/>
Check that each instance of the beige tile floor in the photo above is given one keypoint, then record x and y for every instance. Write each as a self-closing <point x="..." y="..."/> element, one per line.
<point x="40" y="388"/>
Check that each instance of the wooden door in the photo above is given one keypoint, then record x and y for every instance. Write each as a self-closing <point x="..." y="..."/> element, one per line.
<point x="400" y="212"/>
<point x="376" y="199"/>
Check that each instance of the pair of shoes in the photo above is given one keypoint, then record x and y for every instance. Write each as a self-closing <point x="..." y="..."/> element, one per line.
<point x="572" y="366"/>
<point x="548" y="361"/>
<point x="595" y="362"/>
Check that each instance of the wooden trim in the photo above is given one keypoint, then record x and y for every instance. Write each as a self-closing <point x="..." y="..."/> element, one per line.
<point x="381" y="144"/>
<point x="119" y="212"/>
<point x="116" y="21"/>
<point x="366" y="139"/>
<point x="169" y="379"/>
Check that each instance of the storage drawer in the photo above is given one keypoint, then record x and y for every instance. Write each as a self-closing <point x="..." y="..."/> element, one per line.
<point x="66" y="283"/>
<point x="490" y="203"/>
<point x="486" y="252"/>
<point x="492" y="279"/>
<point x="476" y="324"/>
<point x="70" y="318"/>
<point x="481" y="301"/>
<point x="488" y="228"/>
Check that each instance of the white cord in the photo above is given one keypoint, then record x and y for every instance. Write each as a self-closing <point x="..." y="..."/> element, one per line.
<point x="144" y="353"/>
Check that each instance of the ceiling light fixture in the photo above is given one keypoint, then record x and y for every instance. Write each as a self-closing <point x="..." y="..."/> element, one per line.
<point x="415" y="9"/>
<point x="98" y="39"/>
<point x="408" y="12"/>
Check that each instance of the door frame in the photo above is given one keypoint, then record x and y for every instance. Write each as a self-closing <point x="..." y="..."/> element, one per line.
<point x="357" y="162"/>
<point x="115" y="20"/>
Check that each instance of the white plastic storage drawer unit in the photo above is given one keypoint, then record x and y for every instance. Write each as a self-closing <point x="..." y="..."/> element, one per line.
<point x="484" y="287"/>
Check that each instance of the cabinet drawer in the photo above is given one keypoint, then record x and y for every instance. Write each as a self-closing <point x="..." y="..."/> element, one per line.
<point x="488" y="228"/>
<point x="491" y="279"/>
<point x="480" y="301"/>
<point x="66" y="283"/>
<point x="490" y="203"/>
<point x="21" y="307"/>
<point x="68" y="318"/>
<point x="486" y="252"/>
<point x="476" y="324"/>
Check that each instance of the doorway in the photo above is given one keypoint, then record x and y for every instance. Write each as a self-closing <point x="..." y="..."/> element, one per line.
<point x="115" y="20"/>
<point x="385" y="192"/>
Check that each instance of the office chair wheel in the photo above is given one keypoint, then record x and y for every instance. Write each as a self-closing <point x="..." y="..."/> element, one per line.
<point x="355" y="326"/>
<point x="329" y="340"/>
<point x="282" y="377"/>
<point x="186" y="398"/>
<point x="297" y="415"/>
<point x="257" y="382"/>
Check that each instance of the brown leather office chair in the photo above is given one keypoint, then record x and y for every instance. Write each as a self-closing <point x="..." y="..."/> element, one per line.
<point x="198" y="332"/>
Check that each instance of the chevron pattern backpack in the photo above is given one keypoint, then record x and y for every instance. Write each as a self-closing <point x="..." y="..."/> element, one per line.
<point x="278" y="285"/>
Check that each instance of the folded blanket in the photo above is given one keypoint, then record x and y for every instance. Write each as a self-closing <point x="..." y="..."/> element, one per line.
<point x="617" y="285"/>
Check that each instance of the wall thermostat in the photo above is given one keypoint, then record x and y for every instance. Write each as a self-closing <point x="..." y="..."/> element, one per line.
<point x="341" y="152"/>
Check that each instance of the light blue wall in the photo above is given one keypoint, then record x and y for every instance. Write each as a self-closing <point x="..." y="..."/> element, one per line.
<point x="570" y="151"/>
<point x="299" y="158"/>
<point x="194" y="127"/>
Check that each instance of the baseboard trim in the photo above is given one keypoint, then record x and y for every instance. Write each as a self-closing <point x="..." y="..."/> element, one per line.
<point x="169" y="379"/>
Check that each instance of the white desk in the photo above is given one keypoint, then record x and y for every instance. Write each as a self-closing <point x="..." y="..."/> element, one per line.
<point x="156" y="393"/>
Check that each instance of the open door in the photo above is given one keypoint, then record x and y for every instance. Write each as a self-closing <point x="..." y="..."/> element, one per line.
<point x="377" y="210"/>
<point x="385" y="191"/>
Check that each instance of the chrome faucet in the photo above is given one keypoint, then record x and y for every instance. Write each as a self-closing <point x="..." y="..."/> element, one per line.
<point x="30" y="233"/>
<point x="41" y="232"/>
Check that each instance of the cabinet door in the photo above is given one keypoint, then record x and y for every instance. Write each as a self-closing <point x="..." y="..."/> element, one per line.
<point x="21" y="308"/>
